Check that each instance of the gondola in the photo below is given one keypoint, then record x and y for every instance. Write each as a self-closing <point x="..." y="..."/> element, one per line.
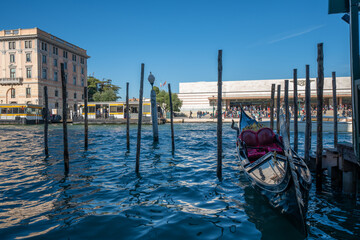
<point x="274" y="170"/>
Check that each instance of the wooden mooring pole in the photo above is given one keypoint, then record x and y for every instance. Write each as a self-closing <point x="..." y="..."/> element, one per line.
<point x="278" y="109"/>
<point x="46" y="121"/>
<point x="272" y="103"/>
<point x="127" y="112"/>
<point x="287" y="112"/>
<point x="335" y="110"/>
<point x="64" y="118"/>
<point x="296" y="115"/>
<point x="171" y="119"/>
<point x="219" y="118"/>
<point x="319" y="142"/>
<point x="139" y="120"/>
<point x="86" y="117"/>
<point x="307" y="145"/>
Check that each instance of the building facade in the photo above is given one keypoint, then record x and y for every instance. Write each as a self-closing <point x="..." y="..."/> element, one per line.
<point x="30" y="59"/>
<point x="203" y="95"/>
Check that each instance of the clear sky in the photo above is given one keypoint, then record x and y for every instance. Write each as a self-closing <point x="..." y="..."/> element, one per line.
<point x="178" y="40"/>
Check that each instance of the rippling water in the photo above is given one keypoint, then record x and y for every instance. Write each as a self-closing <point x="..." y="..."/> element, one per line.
<point x="175" y="197"/>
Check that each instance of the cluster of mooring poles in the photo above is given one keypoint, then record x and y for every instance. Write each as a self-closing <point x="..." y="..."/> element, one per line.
<point x="320" y="89"/>
<point x="154" y="113"/>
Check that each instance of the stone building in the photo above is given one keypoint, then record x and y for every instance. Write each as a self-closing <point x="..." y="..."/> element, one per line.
<point x="203" y="95"/>
<point x="30" y="59"/>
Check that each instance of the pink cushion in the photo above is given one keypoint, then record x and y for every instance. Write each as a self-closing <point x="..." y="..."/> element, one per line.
<point x="265" y="136"/>
<point x="273" y="147"/>
<point x="249" y="137"/>
<point x="254" y="154"/>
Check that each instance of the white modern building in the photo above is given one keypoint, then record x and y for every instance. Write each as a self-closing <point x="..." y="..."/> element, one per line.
<point x="203" y="95"/>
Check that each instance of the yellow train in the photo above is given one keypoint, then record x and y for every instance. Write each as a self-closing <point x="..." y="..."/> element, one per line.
<point x="115" y="109"/>
<point x="24" y="113"/>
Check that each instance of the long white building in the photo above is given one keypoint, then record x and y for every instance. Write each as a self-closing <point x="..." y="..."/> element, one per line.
<point x="203" y="95"/>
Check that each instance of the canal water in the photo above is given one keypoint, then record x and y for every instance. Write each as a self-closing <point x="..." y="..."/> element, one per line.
<point x="175" y="197"/>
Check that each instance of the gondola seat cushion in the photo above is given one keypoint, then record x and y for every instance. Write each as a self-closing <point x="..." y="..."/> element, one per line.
<point x="265" y="136"/>
<point x="259" y="143"/>
<point x="254" y="154"/>
<point x="249" y="137"/>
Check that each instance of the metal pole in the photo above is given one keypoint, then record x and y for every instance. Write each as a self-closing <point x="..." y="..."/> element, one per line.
<point x="335" y="109"/>
<point x="296" y="130"/>
<point x="320" y="90"/>
<point x="307" y="145"/>
<point x="219" y="118"/>
<point x="287" y="113"/>
<point x="46" y="119"/>
<point x="272" y="106"/>
<point x="139" y="120"/>
<point x="86" y="117"/>
<point x="154" y="116"/>
<point x="172" y="120"/>
<point x="64" y="119"/>
<point x="278" y="109"/>
<point x="127" y="118"/>
<point x="355" y="72"/>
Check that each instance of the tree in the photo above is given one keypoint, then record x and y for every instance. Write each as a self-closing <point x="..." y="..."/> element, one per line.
<point x="106" y="96"/>
<point x="102" y="91"/>
<point x="162" y="98"/>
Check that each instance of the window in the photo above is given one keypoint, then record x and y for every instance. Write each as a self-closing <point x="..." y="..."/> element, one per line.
<point x="11" y="45"/>
<point x="65" y="65"/>
<point x="74" y="80"/>
<point x="44" y="73"/>
<point x="28" y="92"/>
<point x="82" y="61"/>
<point x="82" y="82"/>
<point x="44" y="46"/>
<point x="74" y="57"/>
<point x="56" y="93"/>
<point x="12" y="93"/>
<point x="44" y="58"/>
<point x="65" y="77"/>
<point x="91" y="109"/>
<point x="82" y="70"/>
<point x="65" y="54"/>
<point x="55" y="76"/>
<point x="12" y="73"/>
<point x="28" y="57"/>
<point x="75" y="95"/>
<point x="28" y="72"/>
<point x="74" y="68"/>
<point x="55" y="62"/>
<point x="82" y="96"/>
<point x="28" y="44"/>
<point x="12" y="58"/>
<point x="116" y="109"/>
<point x="55" y="50"/>
<point x="56" y="105"/>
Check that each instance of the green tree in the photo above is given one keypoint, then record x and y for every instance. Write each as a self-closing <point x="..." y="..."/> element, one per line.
<point x="102" y="91"/>
<point x="162" y="98"/>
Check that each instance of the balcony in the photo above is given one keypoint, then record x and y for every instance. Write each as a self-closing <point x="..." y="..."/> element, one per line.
<point x="11" y="81"/>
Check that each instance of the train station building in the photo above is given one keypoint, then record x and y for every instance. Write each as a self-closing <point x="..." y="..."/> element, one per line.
<point x="202" y="96"/>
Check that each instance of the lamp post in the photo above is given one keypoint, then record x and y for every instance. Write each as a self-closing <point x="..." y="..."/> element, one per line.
<point x="154" y="117"/>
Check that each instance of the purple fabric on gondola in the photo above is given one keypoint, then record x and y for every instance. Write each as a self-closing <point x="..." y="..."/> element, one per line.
<point x="263" y="140"/>
<point x="265" y="136"/>
<point x="249" y="137"/>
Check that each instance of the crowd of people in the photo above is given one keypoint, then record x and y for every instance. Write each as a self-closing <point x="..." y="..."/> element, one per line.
<point x="259" y="112"/>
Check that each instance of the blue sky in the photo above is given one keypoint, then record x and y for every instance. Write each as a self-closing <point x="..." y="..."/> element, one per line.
<point x="178" y="40"/>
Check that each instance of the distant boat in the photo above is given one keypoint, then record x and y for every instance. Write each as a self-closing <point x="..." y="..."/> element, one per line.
<point x="274" y="169"/>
